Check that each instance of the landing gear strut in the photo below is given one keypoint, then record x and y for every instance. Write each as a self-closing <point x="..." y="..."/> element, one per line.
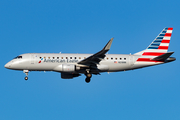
<point x="26" y="72"/>
<point x="88" y="77"/>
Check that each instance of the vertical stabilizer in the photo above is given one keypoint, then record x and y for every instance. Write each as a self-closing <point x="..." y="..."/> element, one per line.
<point x="158" y="47"/>
<point x="161" y="42"/>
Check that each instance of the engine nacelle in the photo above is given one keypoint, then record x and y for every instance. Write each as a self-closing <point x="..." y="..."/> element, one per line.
<point x="66" y="68"/>
<point x="69" y="75"/>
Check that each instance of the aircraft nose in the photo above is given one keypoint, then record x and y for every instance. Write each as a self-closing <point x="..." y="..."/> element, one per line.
<point x="7" y="65"/>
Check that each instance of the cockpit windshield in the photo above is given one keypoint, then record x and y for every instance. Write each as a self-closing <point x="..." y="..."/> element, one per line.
<point x="18" y="57"/>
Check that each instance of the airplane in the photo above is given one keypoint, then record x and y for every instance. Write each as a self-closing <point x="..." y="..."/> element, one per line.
<point x="74" y="65"/>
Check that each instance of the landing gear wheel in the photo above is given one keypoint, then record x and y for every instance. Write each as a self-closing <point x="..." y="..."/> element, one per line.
<point x="26" y="78"/>
<point x="88" y="80"/>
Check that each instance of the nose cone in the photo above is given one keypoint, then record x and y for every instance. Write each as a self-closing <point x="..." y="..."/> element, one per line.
<point x="7" y="65"/>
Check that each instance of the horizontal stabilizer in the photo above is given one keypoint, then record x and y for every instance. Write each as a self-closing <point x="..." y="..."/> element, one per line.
<point x="163" y="57"/>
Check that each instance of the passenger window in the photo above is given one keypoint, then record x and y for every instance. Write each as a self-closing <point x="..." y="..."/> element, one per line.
<point x="107" y="58"/>
<point x="84" y="57"/>
<point x="74" y="57"/>
<point x="53" y="57"/>
<point x="111" y="58"/>
<point x="57" y="57"/>
<point x="61" y="57"/>
<point x="40" y="57"/>
<point x="79" y="57"/>
<point x="66" y="57"/>
<point x="44" y="57"/>
<point x="116" y="58"/>
<point x="70" y="57"/>
<point x="124" y="58"/>
<point x="48" y="57"/>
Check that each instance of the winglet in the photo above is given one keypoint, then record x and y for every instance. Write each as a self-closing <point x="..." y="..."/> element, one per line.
<point x="108" y="45"/>
<point x="97" y="57"/>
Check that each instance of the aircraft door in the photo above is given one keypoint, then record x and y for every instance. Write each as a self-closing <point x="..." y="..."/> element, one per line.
<point x="32" y="58"/>
<point x="131" y="60"/>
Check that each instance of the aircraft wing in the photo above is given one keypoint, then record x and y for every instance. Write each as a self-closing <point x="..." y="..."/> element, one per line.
<point x="97" y="57"/>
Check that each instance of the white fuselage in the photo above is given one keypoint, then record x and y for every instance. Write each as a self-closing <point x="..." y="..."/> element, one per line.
<point x="50" y="61"/>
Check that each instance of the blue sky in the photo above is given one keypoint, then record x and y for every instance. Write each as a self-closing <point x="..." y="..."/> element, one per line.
<point x="84" y="26"/>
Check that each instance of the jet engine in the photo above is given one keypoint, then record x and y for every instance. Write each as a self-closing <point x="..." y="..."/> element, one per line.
<point x="66" y="68"/>
<point x="69" y="75"/>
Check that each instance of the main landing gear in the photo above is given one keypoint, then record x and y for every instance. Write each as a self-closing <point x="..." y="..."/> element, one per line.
<point x="26" y="72"/>
<point x="88" y="77"/>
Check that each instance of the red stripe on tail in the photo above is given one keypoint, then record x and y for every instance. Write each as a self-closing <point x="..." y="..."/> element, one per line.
<point x="170" y="28"/>
<point x="165" y="41"/>
<point x="168" y="35"/>
<point x="152" y="53"/>
<point x="163" y="47"/>
<point x="147" y="60"/>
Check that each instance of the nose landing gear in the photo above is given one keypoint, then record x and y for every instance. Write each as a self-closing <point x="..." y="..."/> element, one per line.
<point x="26" y="72"/>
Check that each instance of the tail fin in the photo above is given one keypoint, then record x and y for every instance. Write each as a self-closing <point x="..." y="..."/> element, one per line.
<point x="160" y="44"/>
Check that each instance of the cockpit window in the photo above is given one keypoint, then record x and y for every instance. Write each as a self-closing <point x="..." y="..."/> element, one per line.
<point x="18" y="57"/>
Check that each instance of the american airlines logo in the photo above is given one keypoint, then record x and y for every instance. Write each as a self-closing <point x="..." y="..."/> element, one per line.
<point x="40" y="60"/>
<point x="57" y="61"/>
